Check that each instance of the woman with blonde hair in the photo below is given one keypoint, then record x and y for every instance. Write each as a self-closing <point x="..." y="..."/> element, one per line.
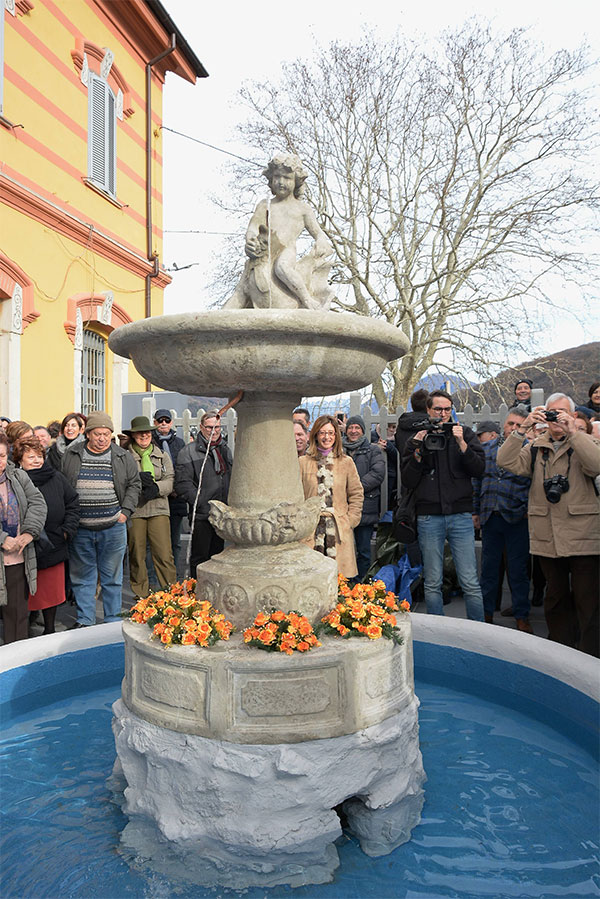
<point x="329" y="474"/>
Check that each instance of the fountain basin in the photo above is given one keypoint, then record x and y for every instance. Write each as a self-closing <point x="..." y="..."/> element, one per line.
<point x="276" y="350"/>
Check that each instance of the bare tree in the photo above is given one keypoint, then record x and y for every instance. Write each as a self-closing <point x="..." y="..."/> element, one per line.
<point x="451" y="181"/>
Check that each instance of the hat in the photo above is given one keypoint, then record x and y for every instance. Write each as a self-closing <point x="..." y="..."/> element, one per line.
<point x="523" y="381"/>
<point x="139" y="423"/>
<point x="488" y="425"/>
<point x="98" y="420"/>
<point x="356" y="420"/>
<point x="162" y="413"/>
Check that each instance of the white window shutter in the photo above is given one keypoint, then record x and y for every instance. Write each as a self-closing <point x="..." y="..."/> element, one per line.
<point x="102" y="151"/>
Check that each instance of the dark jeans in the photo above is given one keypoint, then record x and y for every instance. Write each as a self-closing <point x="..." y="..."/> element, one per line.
<point x="205" y="544"/>
<point x="15" y="613"/>
<point x="572" y="609"/>
<point x="496" y="536"/>
<point x="362" y="539"/>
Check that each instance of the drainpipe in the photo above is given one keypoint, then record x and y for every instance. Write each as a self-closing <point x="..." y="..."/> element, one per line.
<point x="151" y="256"/>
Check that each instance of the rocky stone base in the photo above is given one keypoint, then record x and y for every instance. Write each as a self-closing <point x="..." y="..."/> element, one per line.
<point x="218" y="813"/>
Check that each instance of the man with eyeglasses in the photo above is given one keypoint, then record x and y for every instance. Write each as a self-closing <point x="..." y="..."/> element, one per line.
<point x="216" y="475"/>
<point x="165" y="438"/>
<point x="441" y="479"/>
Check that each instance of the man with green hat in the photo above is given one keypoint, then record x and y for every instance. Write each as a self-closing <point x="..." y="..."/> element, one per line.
<point x="108" y="485"/>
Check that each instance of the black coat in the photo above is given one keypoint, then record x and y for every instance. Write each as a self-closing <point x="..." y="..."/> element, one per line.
<point x="370" y="463"/>
<point x="62" y="518"/>
<point x="442" y="480"/>
<point x="177" y="505"/>
<point x="408" y="425"/>
<point x="214" y="485"/>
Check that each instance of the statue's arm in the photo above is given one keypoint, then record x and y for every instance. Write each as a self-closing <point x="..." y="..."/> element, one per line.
<point x="322" y="244"/>
<point x="255" y="243"/>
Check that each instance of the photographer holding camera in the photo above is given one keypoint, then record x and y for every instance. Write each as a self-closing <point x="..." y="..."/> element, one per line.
<point x="564" y="517"/>
<point x="438" y="463"/>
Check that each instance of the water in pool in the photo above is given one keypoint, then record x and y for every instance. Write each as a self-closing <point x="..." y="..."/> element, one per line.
<point x="511" y="810"/>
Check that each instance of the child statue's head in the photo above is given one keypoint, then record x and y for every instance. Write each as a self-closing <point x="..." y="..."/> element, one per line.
<point x="289" y="163"/>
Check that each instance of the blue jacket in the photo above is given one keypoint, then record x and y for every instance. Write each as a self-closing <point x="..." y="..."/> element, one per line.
<point x="499" y="490"/>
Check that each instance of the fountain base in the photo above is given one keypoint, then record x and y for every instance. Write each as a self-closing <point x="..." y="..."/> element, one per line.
<point x="214" y="812"/>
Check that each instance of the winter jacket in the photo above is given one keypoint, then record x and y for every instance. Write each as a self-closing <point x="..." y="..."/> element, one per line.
<point x="187" y="474"/>
<point x="57" y="450"/>
<point x="177" y="505"/>
<point x="442" y="479"/>
<point x="570" y="527"/>
<point x="32" y="515"/>
<point x="347" y="506"/>
<point x="126" y="479"/>
<point x="164" y="477"/>
<point x="408" y="425"/>
<point x="371" y="464"/>
<point x="62" y="518"/>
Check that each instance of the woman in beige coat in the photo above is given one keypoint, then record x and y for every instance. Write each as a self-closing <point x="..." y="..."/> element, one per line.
<point x="328" y="473"/>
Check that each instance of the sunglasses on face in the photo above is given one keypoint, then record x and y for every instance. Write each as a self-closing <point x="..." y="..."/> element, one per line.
<point x="162" y="421"/>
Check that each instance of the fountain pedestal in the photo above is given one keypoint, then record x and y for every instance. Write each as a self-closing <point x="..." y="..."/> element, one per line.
<point x="235" y="760"/>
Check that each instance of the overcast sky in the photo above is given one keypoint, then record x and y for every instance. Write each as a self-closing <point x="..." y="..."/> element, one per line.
<point x="250" y="41"/>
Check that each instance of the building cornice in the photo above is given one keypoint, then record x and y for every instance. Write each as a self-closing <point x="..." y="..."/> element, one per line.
<point x="87" y="234"/>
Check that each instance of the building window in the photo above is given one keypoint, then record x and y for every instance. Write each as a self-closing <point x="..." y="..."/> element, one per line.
<point x="102" y="135"/>
<point x="92" y="375"/>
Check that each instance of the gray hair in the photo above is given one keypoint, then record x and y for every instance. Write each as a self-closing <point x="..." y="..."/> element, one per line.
<point x="520" y="411"/>
<point x="561" y="396"/>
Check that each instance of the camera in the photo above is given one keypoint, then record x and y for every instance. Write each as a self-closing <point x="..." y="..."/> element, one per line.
<point x="438" y="434"/>
<point x="551" y="415"/>
<point x="555" y="486"/>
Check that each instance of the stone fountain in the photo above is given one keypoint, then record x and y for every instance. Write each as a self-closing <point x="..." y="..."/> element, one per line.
<point x="234" y="761"/>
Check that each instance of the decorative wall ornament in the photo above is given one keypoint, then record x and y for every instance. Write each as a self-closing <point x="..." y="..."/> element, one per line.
<point x="85" y="71"/>
<point x="120" y="105"/>
<point x="78" y="341"/>
<point x="10" y="7"/>
<point x="284" y="523"/>
<point x="106" y="64"/>
<point x="17" y="309"/>
<point x="106" y="309"/>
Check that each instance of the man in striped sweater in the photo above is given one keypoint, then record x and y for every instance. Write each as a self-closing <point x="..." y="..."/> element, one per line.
<point x="108" y="484"/>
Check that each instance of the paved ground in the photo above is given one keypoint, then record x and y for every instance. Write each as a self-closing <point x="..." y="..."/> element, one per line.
<point x="67" y="613"/>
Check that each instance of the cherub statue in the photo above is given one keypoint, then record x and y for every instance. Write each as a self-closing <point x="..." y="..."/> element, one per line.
<point x="273" y="276"/>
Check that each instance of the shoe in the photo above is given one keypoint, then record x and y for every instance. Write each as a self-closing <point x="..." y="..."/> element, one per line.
<point x="77" y="625"/>
<point x="538" y="598"/>
<point x="489" y="619"/>
<point x="507" y="613"/>
<point x="524" y="625"/>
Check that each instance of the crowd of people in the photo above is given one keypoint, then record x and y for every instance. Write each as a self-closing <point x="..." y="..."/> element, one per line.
<point x="74" y="500"/>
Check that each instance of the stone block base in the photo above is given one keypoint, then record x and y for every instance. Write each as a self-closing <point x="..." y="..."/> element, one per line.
<point x="217" y="813"/>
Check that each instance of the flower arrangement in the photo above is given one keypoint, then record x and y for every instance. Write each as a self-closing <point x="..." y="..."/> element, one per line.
<point x="278" y="631"/>
<point x="365" y="610"/>
<point x="177" y="617"/>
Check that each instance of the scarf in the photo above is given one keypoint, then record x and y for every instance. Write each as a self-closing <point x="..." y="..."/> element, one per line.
<point x="165" y="444"/>
<point x="39" y="476"/>
<point x="325" y="531"/>
<point x="144" y="454"/>
<point x="9" y="509"/>
<point x="218" y="460"/>
<point x="61" y="442"/>
<point x="350" y="447"/>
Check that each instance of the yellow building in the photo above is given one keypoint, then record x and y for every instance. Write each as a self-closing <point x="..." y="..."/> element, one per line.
<point x="80" y="195"/>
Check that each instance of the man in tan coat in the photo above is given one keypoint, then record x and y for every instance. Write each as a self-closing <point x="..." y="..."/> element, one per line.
<point x="564" y="519"/>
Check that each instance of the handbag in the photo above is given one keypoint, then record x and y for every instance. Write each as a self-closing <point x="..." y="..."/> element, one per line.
<point x="404" y="519"/>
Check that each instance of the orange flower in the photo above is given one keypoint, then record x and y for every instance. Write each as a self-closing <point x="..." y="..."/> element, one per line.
<point x="391" y="619"/>
<point x="294" y="621"/>
<point x="305" y="627"/>
<point x="149" y="612"/>
<point x="204" y="630"/>
<point x="248" y="635"/>
<point x="170" y="610"/>
<point x="373" y="632"/>
<point x="266" y="636"/>
<point x="405" y="606"/>
<point x="137" y="617"/>
<point x="190" y="625"/>
<point x="175" y="621"/>
<point x="188" y="639"/>
<point x="278" y="616"/>
<point x="343" y="630"/>
<point x="158" y="628"/>
<point x="261" y="619"/>
<point x="166" y="637"/>
<point x="303" y="646"/>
